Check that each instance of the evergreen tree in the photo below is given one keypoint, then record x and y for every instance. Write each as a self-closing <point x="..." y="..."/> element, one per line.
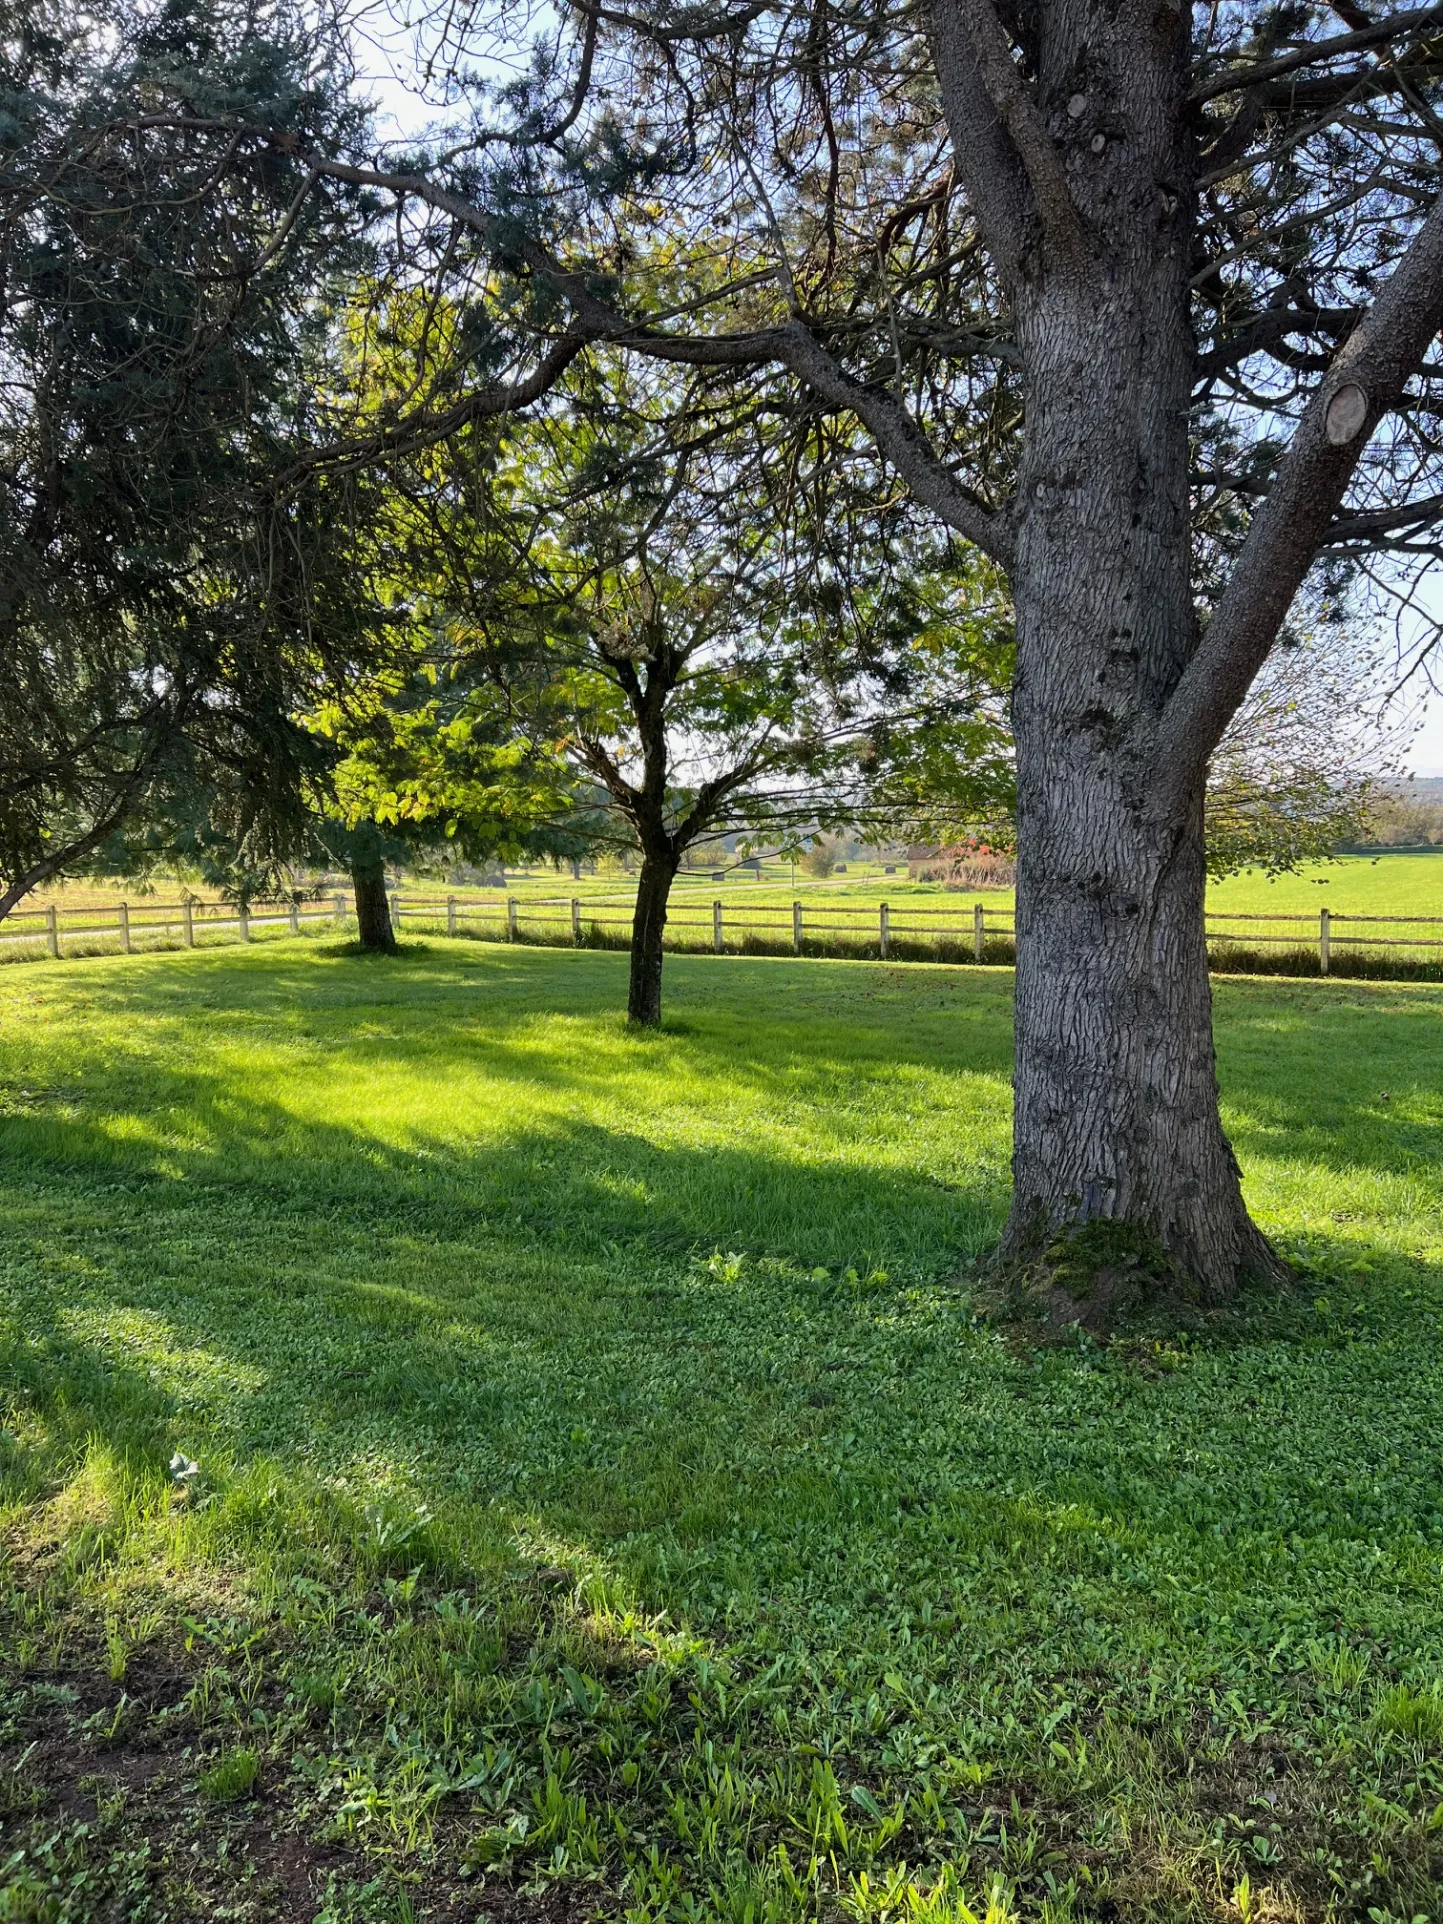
<point x="163" y="601"/>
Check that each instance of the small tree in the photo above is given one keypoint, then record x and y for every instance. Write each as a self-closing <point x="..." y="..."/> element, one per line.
<point x="423" y="768"/>
<point x="669" y="617"/>
<point x="820" y="858"/>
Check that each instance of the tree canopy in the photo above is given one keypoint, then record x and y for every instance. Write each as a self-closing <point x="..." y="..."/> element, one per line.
<point x="666" y="623"/>
<point x="166" y="599"/>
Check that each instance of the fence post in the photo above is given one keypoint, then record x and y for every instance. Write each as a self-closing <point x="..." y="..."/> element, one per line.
<point x="511" y="918"/>
<point x="341" y="910"/>
<point x="450" y="915"/>
<point x="295" y="916"/>
<point x="1325" y="941"/>
<point x="395" y="908"/>
<point x="979" y="931"/>
<point x="797" y="928"/>
<point x="716" y="927"/>
<point x="187" y="921"/>
<point x="52" y="930"/>
<point x="243" y="919"/>
<point x="576" y="921"/>
<point x="124" y="918"/>
<point x="884" y="931"/>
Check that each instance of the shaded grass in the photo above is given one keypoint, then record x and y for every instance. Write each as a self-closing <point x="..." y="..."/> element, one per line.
<point x="605" y="1488"/>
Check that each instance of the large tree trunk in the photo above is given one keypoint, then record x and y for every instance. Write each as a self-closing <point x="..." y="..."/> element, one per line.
<point x="648" y="927"/>
<point x="1116" y="1099"/>
<point x="1116" y="1114"/>
<point x="373" y="908"/>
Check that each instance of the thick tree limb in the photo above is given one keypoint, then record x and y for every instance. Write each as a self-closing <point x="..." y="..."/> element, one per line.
<point x="61" y="858"/>
<point x="1295" y="521"/>
<point x="1326" y="95"/>
<point x="1263" y="331"/>
<point x="987" y="159"/>
<point x="1358" y="527"/>
<point x="425" y="428"/>
<point x="982" y="35"/>
<point x="900" y="441"/>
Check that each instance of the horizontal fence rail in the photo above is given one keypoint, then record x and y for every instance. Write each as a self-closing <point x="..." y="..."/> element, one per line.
<point x="978" y="932"/>
<point x="125" y="927"/>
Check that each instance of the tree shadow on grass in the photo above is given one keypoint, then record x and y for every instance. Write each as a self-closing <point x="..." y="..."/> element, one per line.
<point x="415" y="1295"/>
<point x="467" y="1313"/>
<point x="1343" y="1074"/>
<point x="839" y="1475"/>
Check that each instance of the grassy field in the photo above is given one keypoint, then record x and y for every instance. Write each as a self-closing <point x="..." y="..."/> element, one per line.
<point x="777" y="881"/>
<point x="1383" y="884"/>
<point x="1386" y="884"/>
<point x="1353" y="884"/>
<point x="1278" y="930"/>
<point x="593" y="1490"/>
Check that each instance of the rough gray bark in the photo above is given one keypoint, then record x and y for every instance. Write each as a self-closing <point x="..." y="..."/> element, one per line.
<point x="1116" y="1098"/>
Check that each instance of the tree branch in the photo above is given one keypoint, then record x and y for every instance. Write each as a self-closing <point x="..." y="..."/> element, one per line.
<point x="82" y="846"/>
<point x="1264" y="330"/>
<point x="900" y="441"/>
<point x="422" y="429"/>
<point x="1294" y="522"/>
<point x="792" y="345"/>
<point x="982" y="35"/>
<point x="988" y="162"/>
<point x="1237" y="79"/>
<point x="1348" y="528"/>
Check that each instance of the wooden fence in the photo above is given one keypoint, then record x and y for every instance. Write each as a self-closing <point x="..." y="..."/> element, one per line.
<point x="978" y="932"/>
<point x="125" y="927"/>
<point x="981" y="932"/>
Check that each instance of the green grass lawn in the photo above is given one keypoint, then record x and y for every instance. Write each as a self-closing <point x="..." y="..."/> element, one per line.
<point x="1352" y="884"/>
<point x="840" y="914"/>
<point x="607" y="1499"/>
<point x="1359" y="885"/>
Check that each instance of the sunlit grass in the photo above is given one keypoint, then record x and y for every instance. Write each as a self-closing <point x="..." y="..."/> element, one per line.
<point x="603" y="1477"/>
<point x="1351" y="884"/>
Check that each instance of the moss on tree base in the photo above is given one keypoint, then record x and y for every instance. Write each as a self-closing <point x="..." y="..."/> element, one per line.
<point x="1111" y="1280"/>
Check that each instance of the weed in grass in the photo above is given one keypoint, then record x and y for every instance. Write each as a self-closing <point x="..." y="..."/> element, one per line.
<point x="230" y="1777"/>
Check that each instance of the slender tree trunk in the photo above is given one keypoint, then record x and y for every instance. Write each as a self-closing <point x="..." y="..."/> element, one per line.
<point x="1116" y="1116"/>
<point x="648" y="926"/>
<point x="373" y="907"/>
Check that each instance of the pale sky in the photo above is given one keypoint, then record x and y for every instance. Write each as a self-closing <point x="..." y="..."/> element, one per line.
<point x="1426" y="754"/>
